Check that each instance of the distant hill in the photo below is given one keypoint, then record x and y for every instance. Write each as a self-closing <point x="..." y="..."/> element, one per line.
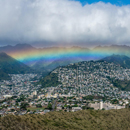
<point x="80" y="120"/>
<point x="9" y="65"/>
<point x="41" y="64"/>
<point x="19" y="47"/>
<point x="121" y="60"/>
<point x="124" y="62"/>
<point x="60" y="62"/>
<point x="113" y="49"/>
<point x="44" y="65"/>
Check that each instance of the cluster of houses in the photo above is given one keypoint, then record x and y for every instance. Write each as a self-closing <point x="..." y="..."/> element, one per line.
<point x="79" y="82"/>
<point x="90" y="78"/>
<point x="90" y="73"/>
<point x="18" y="85"/>
<point x="38" y="104"/>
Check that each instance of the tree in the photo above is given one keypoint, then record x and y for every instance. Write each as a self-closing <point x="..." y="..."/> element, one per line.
<point x="75" y="105"/>
<point x="39" y="105"/>
<point x="23" y="106"/>
<point x="28" y="110"/>
<point x="114" y="101"/>
<point x="84" y="107"/>
<point x="49" y="106"/>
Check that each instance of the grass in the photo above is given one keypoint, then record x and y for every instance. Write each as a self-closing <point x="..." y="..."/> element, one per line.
<point x="35" y="108"/>
<point x="81" y="120"/>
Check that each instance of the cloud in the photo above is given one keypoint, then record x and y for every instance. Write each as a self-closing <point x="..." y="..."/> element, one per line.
<point x="63" y="21"/>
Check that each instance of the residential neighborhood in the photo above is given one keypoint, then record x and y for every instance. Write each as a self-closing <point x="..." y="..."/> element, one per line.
<point x="83" y="85"/>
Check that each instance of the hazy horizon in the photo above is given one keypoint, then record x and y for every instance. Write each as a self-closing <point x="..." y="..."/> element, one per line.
<point x="61" y="46"/>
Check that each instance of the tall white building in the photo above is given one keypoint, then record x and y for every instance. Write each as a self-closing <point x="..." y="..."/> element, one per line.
<point x="35" y="93"/>
<point x="101" y="105"/>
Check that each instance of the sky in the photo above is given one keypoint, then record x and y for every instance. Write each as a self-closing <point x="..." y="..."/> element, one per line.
<point x="64" y="22"/>
<point x="115" y="2"/>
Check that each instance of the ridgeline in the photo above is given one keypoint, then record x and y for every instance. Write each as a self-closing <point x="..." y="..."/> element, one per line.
<point x="9" y="65"/>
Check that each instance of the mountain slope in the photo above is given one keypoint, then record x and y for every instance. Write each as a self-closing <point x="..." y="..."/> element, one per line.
<point x="55" y="61"/>
<point x="9" y="65"/>
<point x="60" y="62"/>
<point x="113" y="49"/>
<point x="124" y="62"/>
<point x="121" y="60"/>
<point x="4" y="76"/>
<point x="50" y="80"/>
<point x="72" y="55"/>
<point x="19" y="47"/>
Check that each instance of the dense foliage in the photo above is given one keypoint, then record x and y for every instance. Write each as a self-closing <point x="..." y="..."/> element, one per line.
<point x="122" y="84"/>
<point x="4" y="76"/>
<point x="91" y="97"/>
<point x="9" y="65"/>
<point x="81" y="120"/>
<point x="121" y="60"/>
<point x="50" y="80"/>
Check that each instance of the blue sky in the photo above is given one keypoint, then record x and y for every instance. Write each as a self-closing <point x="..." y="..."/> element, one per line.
<point x="116" y="2"/>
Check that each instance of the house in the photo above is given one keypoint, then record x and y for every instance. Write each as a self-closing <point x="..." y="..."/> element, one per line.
<point x="58" y="108"/>
<point x="76" y="109"/>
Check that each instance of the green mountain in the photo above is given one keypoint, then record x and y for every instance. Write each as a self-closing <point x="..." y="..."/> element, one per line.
<point x="121" y="60"/>
<point x="113" y="49"/>
<point x="4" y="76"/>
<point x="50" y="80"/>
<point x="59" y="62"/>
<point x="124" y="62"/>
<point x="9" y="65"/>
<point x="80" y="120"/>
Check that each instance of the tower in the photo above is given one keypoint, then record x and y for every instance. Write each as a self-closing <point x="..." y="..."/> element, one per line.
<point x="77" y="76"/>
<point x="100" y="105"/>
<point x="35" y="93"/>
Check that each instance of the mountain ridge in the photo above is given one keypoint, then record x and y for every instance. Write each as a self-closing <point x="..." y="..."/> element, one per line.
<point x="9" y="65"/>
<point x="44" y="65"/>
<point x="122" y="60"/>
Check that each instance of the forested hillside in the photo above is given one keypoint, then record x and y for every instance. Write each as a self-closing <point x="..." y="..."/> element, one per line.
<point x="9" y="65"/>
<point x="50" y="80"/>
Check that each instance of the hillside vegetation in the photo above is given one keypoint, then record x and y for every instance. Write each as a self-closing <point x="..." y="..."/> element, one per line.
<point x="4" y="76"/>
<point x="9" y="65"/>
<point x="122" y="84"/>
<point x="81" y="120"/>
<point x="122" y="60"/>
<point x="50" y="80"/>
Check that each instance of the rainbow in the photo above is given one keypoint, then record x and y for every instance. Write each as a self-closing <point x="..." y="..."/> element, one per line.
<point x="30" y="56"/>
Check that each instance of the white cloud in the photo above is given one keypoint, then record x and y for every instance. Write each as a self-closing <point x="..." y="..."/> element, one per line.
<point x="63" y="21"/>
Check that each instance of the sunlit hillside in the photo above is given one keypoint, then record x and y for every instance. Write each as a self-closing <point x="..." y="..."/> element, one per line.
<point x="81" y="120"/>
